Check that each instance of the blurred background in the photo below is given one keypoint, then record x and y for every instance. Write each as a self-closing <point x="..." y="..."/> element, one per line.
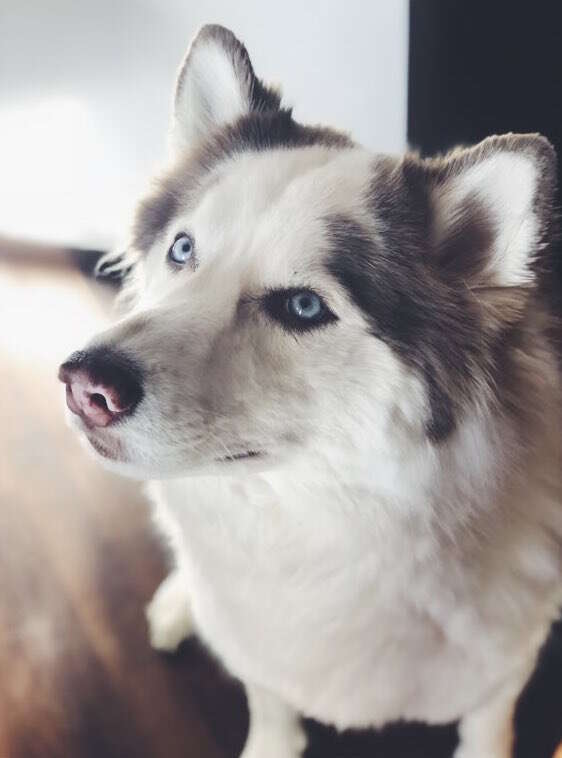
<point x="85" y="95"/>
<point x="86" y="92"/>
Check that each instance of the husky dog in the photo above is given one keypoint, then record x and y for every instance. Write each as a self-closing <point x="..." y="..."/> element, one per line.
<point x="341" y="371"/>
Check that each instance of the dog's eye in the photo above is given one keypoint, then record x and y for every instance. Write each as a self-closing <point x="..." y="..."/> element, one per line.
<point x="182" y="249"/>
<point x="305" y="305"/>
<point x="298" y="310"/>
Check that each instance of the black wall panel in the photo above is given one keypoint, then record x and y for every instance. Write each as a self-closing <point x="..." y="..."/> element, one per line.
<point x="479" y="68"/>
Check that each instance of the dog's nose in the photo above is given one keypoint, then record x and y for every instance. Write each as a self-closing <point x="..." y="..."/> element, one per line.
<point x="102" y="385"/>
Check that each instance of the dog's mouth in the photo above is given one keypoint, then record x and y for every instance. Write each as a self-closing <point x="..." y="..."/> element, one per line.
<point x="241" y="456"/>
<point x="112" y="453"/>
<point x="111" y="449"/>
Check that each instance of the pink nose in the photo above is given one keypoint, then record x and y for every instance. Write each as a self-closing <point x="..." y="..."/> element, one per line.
<point x="96" y="403"/>
<point x="102" y="385"/>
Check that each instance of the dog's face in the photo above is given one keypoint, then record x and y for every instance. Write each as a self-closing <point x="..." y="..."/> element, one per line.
<point x="296" y="295"/>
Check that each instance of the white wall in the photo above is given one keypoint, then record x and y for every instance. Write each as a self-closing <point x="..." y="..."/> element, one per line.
<point x="85" y="90"/>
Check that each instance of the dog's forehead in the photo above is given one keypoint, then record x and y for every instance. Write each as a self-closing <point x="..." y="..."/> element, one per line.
<point x="277" y="200"/>
<point x="250" y="188"/>
<point x="316" y="174"/>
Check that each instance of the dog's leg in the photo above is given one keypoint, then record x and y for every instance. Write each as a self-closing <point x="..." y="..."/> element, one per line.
<point x="169" y="613"/>
<point x="487" y="732"/>
<point x="275" y="729"/>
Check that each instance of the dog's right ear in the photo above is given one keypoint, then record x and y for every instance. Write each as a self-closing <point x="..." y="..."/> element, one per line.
<point x="216" y="86"/>
<point x="114" y="266"/>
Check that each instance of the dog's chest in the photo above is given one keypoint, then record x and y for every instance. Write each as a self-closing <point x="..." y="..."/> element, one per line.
<point x="317" y="603"/>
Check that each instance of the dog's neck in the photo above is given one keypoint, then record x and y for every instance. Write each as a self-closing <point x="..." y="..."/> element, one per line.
<point x="474" y="483"/>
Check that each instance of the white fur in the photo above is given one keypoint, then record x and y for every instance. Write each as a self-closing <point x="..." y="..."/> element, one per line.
<point x="169" y="613"/>
<point x="275" y="730"/>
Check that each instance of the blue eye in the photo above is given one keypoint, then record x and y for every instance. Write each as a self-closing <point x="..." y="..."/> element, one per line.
<point x="182" y="249"/>
<point x="305" y="305"/>
<point x="298" y="310"/>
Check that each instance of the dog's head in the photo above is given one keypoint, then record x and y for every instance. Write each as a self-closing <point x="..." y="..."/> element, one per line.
<point x="296" y="295"/>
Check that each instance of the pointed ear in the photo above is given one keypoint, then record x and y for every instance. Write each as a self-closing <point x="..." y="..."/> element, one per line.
<point x="216" y="86"/>
<point x="491" y="209"/>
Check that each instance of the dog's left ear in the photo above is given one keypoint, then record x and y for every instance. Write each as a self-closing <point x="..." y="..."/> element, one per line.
<point x="216" y="86"/>
<point x="491" y="209"/>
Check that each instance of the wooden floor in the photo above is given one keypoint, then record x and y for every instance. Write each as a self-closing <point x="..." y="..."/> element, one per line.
<point x="78" y="563"/>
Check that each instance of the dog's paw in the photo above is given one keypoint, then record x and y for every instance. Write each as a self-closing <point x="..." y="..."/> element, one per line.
<point x="272" y="751"/>
<point x="289" y="745"/>
<point x="169" y="614"/>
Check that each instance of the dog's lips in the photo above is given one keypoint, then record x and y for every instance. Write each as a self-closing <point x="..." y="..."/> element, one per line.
<point x="111" y="450"/>
<point x="241" y="456"/>
<point x="100" y="449"/>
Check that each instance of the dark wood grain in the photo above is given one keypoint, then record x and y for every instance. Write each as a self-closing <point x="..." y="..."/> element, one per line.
<point x="78" y="562"/>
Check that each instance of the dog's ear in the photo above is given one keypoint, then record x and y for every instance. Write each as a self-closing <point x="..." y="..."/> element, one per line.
<point x="216" y="85"/>
<point x="115" y="266"/>
<point x="490" y="209"/>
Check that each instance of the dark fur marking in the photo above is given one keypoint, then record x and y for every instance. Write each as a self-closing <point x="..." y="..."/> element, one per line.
<point x="270" y="130"/>
<point x="409" y="311"/>
<point x="462" y="252"/>
<point x="155" y="212"/>
<point x="423" y="289"/>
